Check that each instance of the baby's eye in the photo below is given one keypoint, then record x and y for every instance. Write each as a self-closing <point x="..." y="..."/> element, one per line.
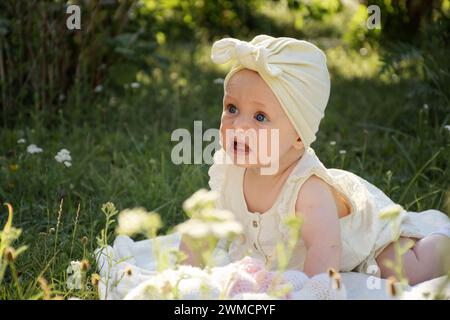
<point x="232" y="108"/>
<point x="260" y="117"/>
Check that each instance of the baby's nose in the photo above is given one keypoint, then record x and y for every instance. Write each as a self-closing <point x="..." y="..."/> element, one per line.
<point x="242" y="123"/>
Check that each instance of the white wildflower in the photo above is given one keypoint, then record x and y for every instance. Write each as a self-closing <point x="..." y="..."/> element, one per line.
<point x="332" y="143"/>
<point x="206" y="220"/>
<point x="447" y="127"/>
<point x="113" y="101"/>
<point x="21" y="141"/>
<point x="226" y="229"/>
<point x="74" y="275"/>
<point x="32" y="148"/>
<point x="188" y="280"/>
<point x="211" y="222"/>
<point x="200" y="199"/>
<point x="135" y="85"/>
<point x="63" y="156"/>
<point x="425" y="106"/>
<point x="98" y="88"/>
<point x="138" y="220"/>
<point x="390" y="212"/>
<point x="342" y="152"/>
<point x="218" y="81"/>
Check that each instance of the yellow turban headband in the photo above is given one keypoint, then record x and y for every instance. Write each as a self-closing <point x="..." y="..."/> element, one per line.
<point x="295" y="70"/>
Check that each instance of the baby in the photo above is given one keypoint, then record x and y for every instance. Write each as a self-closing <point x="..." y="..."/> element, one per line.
<point x="281" y="86"/>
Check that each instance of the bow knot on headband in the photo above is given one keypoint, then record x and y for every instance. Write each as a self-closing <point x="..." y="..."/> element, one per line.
<point x="295" y="70"/>
<point x="250" y="56"/>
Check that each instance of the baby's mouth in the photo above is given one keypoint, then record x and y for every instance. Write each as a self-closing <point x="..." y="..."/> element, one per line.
<point x="240" y="147"/>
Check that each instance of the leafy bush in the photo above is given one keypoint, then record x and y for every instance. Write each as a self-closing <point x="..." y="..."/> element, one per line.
<point x="427" y="64"/>
<point x="43" y="64"/>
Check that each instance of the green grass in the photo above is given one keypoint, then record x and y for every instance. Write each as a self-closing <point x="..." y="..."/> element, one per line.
<point x="120" y="146"/>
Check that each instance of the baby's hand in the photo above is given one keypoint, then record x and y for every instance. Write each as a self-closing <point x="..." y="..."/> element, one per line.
<point x="320" y="230"/>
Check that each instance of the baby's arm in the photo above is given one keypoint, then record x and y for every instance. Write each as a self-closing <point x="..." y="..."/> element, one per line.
<point x="193" y="253"/>
<point x="320" y="230"/>
<point x="192" y="256"/>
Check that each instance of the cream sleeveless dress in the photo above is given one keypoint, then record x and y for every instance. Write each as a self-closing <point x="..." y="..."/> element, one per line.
<point x="364" y="235"/>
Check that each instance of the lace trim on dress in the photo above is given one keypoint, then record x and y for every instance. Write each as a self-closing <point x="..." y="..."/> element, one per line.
<point x="217" y="175"/>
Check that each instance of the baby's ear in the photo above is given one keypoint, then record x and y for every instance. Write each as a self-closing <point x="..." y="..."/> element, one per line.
<point x="298" y="144"/>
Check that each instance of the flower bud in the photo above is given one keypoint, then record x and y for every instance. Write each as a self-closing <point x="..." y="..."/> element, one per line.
<point x="10" y="254"/>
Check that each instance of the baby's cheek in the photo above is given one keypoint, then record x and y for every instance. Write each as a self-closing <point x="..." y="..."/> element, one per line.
<point x="267" y="141"/>
<point x="285" y="139"/>
<point x="223" y="137"/>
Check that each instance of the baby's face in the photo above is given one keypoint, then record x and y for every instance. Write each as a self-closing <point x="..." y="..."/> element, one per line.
<point x="252" y="111"/>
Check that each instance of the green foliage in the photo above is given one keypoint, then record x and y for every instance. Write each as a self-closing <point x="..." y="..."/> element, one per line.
<point x="426" y="64"/>
<point x="110" y="212"/>
<point x="357" y="32"/>
<point x="201" y="19"/>
<point x="400" y="21"/>
<point x="316" y="9"/>
<point x="44" y="66"/>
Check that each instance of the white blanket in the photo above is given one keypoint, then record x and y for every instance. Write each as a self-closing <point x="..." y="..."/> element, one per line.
<point x="128" y="270"/>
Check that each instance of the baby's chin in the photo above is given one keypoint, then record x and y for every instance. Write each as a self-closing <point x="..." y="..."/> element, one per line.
<point x="263" y="169"/>
<point x="247" y="165"/>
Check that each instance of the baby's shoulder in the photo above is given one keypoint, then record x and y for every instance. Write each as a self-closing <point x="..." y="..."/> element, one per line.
<point x="313" y="192"/>
<point x="316" y="194"/>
